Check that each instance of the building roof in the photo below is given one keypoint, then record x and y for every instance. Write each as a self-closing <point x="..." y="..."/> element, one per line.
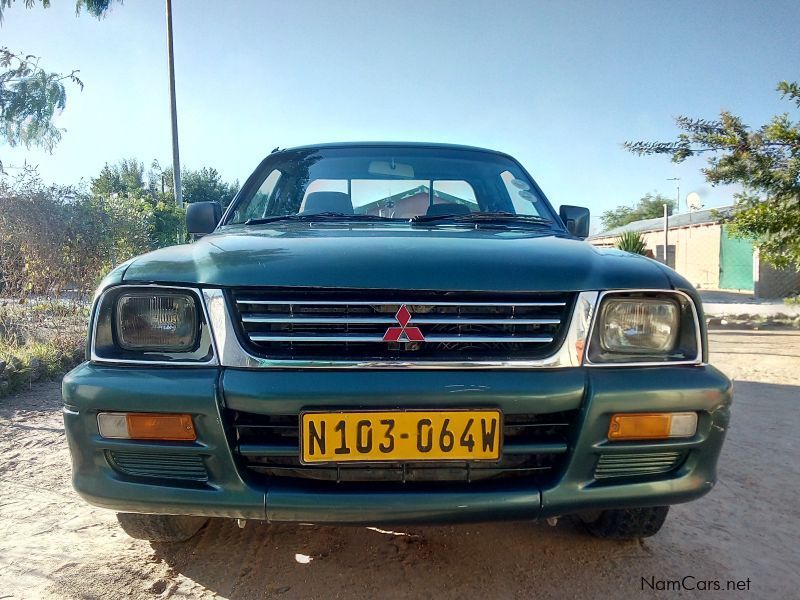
<point x="420" y="189"/>
<point x="690" y="219"/>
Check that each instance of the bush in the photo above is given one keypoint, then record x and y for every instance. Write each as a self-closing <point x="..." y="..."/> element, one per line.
<point x="632" y="241"/>
<point x="56" y="243"/>
<point x="55" y="238"/>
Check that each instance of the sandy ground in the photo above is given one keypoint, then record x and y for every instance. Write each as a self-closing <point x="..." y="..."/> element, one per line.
<point x="53" y="545"/>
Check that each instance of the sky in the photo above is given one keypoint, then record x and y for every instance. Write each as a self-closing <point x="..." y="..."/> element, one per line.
<point x="557" y="84"/>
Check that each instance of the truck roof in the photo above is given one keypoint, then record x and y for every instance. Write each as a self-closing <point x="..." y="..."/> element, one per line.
<point x="390" y="145"/>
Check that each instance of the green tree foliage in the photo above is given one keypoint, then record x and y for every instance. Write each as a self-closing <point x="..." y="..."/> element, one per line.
<point x="765" y="161"/>
<point x="96" y="8"/>
<point x="125" y="177"/>
<point x="31" y="96"/>
<point x="649" y="206"/>
<point x="204" y="185"/>
<point x="125" y="185"/>
<point x="632" y="241"/>
<point x="127" y="182"/>
<point x="29" y="99"/>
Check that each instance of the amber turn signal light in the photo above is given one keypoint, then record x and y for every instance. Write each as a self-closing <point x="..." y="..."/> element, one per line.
<point x="146" y="426"/>
<point x="651" y="426"/>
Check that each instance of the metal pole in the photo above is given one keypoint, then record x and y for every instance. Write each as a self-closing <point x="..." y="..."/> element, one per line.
<point x="678" y="200"/>
<point x="666" y="234"/>
<point x="176" y="161"/>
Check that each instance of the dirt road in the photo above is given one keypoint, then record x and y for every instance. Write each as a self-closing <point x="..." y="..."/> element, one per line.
<point x="53" y="545"/>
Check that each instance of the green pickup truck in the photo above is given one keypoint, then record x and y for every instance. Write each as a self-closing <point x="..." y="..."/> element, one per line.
<point x="393" y="333"/>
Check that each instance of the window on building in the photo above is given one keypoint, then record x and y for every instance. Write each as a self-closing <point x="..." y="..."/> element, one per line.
<point x="670" y="254"/>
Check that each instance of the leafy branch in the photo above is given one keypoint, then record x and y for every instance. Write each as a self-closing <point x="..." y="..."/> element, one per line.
<point x="30" y="98"/>
<point x="765" y="161"/>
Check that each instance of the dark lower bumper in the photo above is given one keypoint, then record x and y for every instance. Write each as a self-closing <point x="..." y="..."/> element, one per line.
<point x="227" y="492"/>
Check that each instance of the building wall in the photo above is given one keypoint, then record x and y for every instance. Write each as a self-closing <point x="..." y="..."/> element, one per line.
<point x="697" y="254"/>
<point x="696" y="251"/>
<point x="776" y="283"/>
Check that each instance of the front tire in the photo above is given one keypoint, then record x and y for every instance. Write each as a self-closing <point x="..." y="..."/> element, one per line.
<point x="160" y="528"/>
<point x="626" y="523"/>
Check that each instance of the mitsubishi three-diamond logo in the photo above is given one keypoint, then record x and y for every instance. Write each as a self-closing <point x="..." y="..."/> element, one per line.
<point x="404" y="333"/>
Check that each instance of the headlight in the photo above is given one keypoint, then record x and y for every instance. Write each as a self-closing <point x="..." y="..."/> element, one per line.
<point x="148" y="321"/>
<point x="645" y="327"/>
<point x="151" y="324"/>
<point x="639" y="326"/>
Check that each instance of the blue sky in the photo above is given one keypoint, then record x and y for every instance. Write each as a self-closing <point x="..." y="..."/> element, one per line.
<point x="559" y="85"/>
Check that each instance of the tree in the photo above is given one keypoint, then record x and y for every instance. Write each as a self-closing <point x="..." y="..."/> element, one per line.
<point x="96" y="8"/>
<point x="204" y="185"/>
<point x="31" y="96"/>
<point x="125" y="188"/>
<point x="765" y="161"/>
<point x="649" y="206"/>
<point x="126" y="177"/>
<point x="122" y="188"/>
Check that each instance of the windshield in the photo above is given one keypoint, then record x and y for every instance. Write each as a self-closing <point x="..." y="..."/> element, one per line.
<point x="379" y="183"/>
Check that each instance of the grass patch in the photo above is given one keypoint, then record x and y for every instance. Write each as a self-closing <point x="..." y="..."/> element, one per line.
<point x="39" y="340"/>
<point x="22" y="364"/>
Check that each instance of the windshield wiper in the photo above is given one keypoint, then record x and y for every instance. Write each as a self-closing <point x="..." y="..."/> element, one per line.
<point x="317" y="217"/>
<point x="498" y="218"/>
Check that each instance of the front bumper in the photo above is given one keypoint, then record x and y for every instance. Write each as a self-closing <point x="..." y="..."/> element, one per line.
<point x="207" y="393"/>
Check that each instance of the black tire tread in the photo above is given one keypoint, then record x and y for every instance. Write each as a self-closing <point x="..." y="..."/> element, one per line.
<point x="628" y="523"/>
<point x="160" y="528"/>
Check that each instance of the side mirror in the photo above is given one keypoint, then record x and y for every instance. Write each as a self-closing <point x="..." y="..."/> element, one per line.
<point x="576" y="219"/>
<point x="202" y="217"/>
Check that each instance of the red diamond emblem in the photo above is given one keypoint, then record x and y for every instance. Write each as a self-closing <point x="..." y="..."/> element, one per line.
<point x="404" y="333"/>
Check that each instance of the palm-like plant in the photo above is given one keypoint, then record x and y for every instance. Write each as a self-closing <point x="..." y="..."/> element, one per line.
<point x="632" y="241"/>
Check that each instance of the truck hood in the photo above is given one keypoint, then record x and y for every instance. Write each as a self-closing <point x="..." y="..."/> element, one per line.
<point x="396" y="257"/>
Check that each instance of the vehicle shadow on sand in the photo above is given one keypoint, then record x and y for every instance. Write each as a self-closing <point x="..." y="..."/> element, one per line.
<point x="448" y="561"/>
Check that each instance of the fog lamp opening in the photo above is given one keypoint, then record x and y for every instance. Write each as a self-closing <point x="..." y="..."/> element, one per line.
<point x="146" y="426"/>
<point x="651" y="426"/>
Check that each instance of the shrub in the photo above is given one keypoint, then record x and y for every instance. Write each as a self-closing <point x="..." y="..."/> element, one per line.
<point x="56" y="238"/>
<point x="632" y="241"/>
<point x="56" y="243"/>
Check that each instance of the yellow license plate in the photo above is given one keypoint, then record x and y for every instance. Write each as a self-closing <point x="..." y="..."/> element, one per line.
<point x="412" y="435"/>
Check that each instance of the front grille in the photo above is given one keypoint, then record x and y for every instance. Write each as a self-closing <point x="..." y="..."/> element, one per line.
<point x="370" y="325"/>
<point x="534" y="447"/>
<point x="630" y="465"/>
<point x="161" y="465"/>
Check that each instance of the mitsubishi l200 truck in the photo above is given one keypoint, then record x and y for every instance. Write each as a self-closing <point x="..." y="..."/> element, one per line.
<point x="393" y="333"/>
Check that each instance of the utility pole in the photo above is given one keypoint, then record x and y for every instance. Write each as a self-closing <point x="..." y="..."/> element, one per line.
<point x="678" y="199"/>
<point x="666" y="234"/>
<point x="176" y="161"/>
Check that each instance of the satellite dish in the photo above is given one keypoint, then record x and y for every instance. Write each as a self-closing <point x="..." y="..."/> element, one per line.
<point x="693" y="201"/>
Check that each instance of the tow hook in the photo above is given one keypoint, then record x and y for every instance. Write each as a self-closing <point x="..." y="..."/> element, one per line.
<point x="552" y="521"/>
<point x="241" y="523"/>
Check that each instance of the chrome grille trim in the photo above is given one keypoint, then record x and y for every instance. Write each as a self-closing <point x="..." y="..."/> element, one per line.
<point x="354" y="324"/>
<point x="297" y="319"/>
<point x="348" y="319"/>
<point x="442" y="339"/>
<point x="392" y="303"/>
<point x="232" y="354"/>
